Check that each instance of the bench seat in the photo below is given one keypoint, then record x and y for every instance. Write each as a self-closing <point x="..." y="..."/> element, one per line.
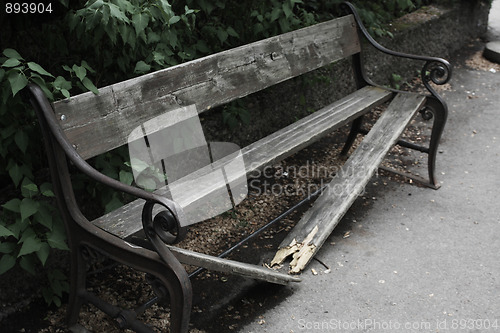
<point x="126" y="220"/>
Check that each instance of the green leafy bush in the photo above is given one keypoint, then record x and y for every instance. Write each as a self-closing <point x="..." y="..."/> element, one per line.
<point x="30" y="227"/>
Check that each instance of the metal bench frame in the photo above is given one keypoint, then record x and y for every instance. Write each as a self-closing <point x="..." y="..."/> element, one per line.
<point x="160" y="261"/>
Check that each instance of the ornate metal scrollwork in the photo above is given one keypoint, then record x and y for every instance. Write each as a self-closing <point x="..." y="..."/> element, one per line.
<point x="164" y="224"/>
<point x="436" y="71"/>
<point x="427" y="113"/>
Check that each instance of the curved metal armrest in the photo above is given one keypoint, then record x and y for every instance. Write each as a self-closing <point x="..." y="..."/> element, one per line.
<point x="437" y="70"/>
<point x="174" y="210"/>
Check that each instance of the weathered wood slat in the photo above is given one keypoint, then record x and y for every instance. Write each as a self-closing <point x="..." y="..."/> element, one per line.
<point x="126" y="221"/>
<point x="96" y="124"/>
<point x="319" y="221"/>
<point x="230" y="266"/>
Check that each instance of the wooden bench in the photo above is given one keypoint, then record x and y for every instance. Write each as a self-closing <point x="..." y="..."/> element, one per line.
<point x="88" y="125"/>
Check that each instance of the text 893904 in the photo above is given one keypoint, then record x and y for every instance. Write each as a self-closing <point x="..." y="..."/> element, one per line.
<point x="28" y="8"/>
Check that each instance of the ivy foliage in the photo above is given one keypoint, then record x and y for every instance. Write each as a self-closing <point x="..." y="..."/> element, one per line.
<point x="83" y="45"/>
<point x="30" y="227"/>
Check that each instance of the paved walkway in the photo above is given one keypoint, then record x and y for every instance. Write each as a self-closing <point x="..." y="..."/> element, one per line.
<point x="417" y="260"/>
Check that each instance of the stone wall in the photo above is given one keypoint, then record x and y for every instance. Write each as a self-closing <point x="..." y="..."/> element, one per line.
<point x="432" y="31"/>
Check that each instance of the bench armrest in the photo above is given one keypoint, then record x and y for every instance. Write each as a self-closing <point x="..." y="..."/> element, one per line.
<point x="437" y="70"/>
<point x="174" y="219"/>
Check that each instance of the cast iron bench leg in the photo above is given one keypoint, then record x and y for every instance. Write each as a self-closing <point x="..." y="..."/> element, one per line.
<point x="77" y="285"/>
<point x="355" y="130"/>
<point x="440" y="112"/>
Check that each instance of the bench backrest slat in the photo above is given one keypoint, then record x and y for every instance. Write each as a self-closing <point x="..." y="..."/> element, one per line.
<point x="96" y="124"/>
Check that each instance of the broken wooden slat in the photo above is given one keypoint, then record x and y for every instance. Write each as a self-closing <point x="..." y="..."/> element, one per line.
<point x="230" y="266"/>
<point x="126" y="220"/>
<point x="343" y="190"/>
<point x="97" y="124"/>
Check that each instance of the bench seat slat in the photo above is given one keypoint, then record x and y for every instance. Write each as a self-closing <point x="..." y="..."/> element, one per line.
<point x="319" y="221"/>
<point x="126" y="220"/>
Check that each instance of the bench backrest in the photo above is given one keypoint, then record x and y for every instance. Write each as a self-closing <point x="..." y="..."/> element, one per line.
<point x="97" y="124"/>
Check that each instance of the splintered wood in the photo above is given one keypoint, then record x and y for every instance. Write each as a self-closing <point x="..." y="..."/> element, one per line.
<point x="319" y="221"/>
<point x="301" y="253"/>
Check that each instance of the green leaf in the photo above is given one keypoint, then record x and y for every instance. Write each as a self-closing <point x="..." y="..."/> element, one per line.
<point x="158" y="57"/>
<point x="138" y="165"/>
<point x="202" y="47"/>
<point x="28" y="232"/>
<point x="56" y="240"/>
<point x="232" y="32"/>
<point x="37" y="68"/>
<point x="115" y="12"/>
<point x="44" y="217"/>
<point x="275" y="14"/>
<point x="153" y="37"/>
<point x="30" y="245"/>
<point x="28" y="188"/>
<point x="4" y="232"/>
<point x="126" y="177"/>
<point x="6" y="263"/>
<point x="46" y="190"/>
<point x="146" y="183"/>
<point x="13" y="205"/>
<point x="22" y="140"/>
<point x="94" y="21"/>
<point x="18" y="227"/>
<point x="287" y="10"/>
<point x="171" y="36"/>
<point x="48" y="295"/>
<point x="105" y="15"/>
<point x="2" y="74"/>
<point x="43" y="253"/>
<point x="8" y="131"/>
<point x="10" y="53"/>
<point x="80" y="72"/>
<point x="11" y="62"/>
<point x="28" y="207"/>
<point x="65" y="93"/>
<point x="222" y="35"/>
<point x="90" y="86"/>
<point x="16" y="174"/>
<point x="67" y="68"/>
<point x="57" y="301"/>
<point x="142" y="67"/>
<point x="28" y="265"/>
<point x="7" y="247"/>
<point x="284" y="24"/>
<point x="56" y="286"/>
<point x="62" y="83"/>
<point x="140" y="22"/>
<point x="87" y="66"/>
<point x="174" y="19"/>
<point x="124" y="32"/>
<point x="17" y="81"/>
